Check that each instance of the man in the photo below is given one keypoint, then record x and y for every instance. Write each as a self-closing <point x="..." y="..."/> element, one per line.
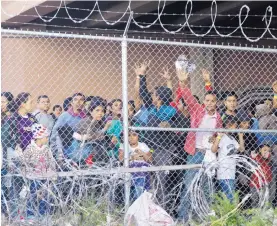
<point x="203" y="117"/>
<point x="230" y="97"/>
<point x="157" y="112"/>
<point x="43" y="106"/>
<point x="231" y="103"/>
<point x="62" y="133"/>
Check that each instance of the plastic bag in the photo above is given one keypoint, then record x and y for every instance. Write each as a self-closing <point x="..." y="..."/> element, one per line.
<point x="182" y="63"/>
<point x="144" y="212"/>
<point x="210" y="157"/>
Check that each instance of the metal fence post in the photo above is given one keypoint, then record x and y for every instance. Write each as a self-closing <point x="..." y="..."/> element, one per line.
<point x="125" y="111"/>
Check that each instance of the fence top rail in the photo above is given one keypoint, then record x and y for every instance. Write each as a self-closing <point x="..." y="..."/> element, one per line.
<point x="134" y="40"/>
<point x="203" y="130"/>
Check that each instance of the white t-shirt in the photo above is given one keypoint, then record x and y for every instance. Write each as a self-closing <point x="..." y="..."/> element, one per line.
<point x="208" y="122"/>
<point x="227" y="167"/>
<point x="142" y="146"/>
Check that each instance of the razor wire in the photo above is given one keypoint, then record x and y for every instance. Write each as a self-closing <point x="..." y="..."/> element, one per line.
<point x="242" y="18"/>
<point x="90" y="190"/>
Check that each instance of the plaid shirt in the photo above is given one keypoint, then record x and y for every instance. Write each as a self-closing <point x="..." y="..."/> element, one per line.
<point x="38" y="161"/>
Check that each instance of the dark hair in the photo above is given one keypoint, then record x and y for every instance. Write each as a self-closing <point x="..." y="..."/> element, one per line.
<point x="243" y="116"/>
<point x="165" y="94"/>
<point x="197" y="98"/>
<point x="263" y="144"/>
<point x="132" y="103"/>
<point x="67" y="103"/>
<point x="89" y="98"/>
<point x="95" y="102"/>
<point x="57" y="106"/>
<point x="8" y="95"/>
<point x="229" y="119"/>
<point x="211" y="92"/>
<point x="251" y="109"/>
<point x="114" y="100"/>
<point x="229" y="94"/>
<point x="133" y="132"/>
<point x="20" y="99"/>
<point x="78" y="94"/>
<point x="42" y="96"/>
<point x="101" y="99"/>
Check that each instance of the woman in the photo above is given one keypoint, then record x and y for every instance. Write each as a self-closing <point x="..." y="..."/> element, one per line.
<point x="61" y="136"/>
<point x="18" y="137"/>
<point x="88" y="132"/>
<point x="19" y="125"/>
<point x="6" y="100"/>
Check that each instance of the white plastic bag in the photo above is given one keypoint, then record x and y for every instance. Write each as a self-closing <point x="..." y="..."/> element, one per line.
<point x="210" y="157"/>
<point x="182" y="63"/>
<point x="144" y="212"/>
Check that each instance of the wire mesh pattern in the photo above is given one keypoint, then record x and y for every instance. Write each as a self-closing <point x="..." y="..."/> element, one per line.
<point x="202" y="129"/>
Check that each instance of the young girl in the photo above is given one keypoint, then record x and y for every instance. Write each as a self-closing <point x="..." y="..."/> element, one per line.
<point x="226" y="145"/>
<point x="140" y="156"/>
<point x="39" y="168"/>
<point x="263" y="159"/>
<point x="116" y="126"/>
<point x="57" y="111"/>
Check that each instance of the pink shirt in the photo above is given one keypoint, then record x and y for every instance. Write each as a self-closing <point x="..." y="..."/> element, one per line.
<point x="197" y="113"/>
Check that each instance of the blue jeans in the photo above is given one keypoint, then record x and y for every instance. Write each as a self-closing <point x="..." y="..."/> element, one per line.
<point x="185" y="202"/>
<point x="77" y="153"/>
<point x="138" y="187"/>
<point x="227" y="186"/>
<point x="38" y="205"/>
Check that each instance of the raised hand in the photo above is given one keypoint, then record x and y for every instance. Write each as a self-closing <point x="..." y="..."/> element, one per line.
<point x="114" y="140"/>
<point x="141" y="69"/>
<point x="108" y="125"/>
<point x="165" y="74"/>
<point x="182" y="75"/>
<point x="206" y="75"/>
<point x="253" y="154"/>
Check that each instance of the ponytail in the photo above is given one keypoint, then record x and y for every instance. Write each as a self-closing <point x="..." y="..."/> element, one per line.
<point x="20" y="99"/>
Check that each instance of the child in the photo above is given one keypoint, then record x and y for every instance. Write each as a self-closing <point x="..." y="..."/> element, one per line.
<point x="57" y="111"/>
<point x="263" y="159"/>
<point x="226" y="145"/>
<point x="116" y="127"/>
<point x="39" y="166"/>
<point x="140" y="156"/>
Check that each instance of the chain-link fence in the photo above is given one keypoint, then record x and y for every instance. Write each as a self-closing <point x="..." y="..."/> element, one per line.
<point x="197" y="130"/>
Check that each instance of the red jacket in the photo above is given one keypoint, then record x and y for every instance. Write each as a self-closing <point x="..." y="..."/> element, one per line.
<point x="265" y="168"/>
<point x="197" y="112"/>
<point x="208" y="87"/>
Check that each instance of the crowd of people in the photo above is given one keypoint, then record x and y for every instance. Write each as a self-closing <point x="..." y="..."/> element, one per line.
<point x="88" y="130"/>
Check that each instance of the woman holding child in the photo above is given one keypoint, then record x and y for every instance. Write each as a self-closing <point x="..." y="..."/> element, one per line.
<point x="88" y="132"/>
